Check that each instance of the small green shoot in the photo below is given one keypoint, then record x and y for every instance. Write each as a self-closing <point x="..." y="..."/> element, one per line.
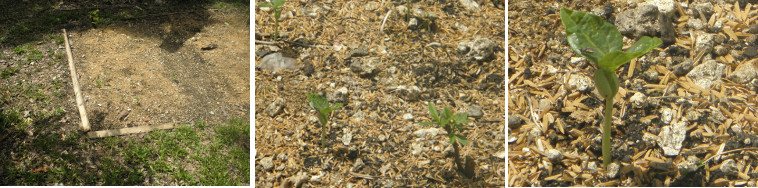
<point x="320" y="104"/>
<point x="600" y="42"/>
<point x="275" y="4"/>
<point x="97" y="20"/>
<point x="452" y="123"/>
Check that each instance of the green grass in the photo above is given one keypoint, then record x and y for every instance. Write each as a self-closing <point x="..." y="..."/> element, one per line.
<point x="218" y="154"/>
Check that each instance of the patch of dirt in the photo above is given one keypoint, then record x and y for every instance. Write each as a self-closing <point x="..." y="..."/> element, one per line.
<point x="718" y="120"/>
<point x="154" y="71"/>
<point x="369" y="142"/>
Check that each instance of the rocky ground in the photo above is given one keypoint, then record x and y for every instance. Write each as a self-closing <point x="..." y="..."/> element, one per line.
<point x="445" y="52"/>
<point x="685" y="114"/>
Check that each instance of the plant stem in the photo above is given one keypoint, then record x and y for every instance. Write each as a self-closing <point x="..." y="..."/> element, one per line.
<point x="458" y="158"/>
<point x="450" y="133"/>
<point x="607" y="131"/>
<point x="323" y="131"/>
<point x="276" y="29"/>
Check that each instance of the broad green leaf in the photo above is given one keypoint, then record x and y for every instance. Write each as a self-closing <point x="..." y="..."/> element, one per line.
<point x="606" y="82"/>
<point x="461" y="127"/>
<point x="277" y="3"/>
<point x="452" y="139"/>
<point x="334" y="107"/>
<point x="615" y="59"/>
<point x="461" y="118"/>
<point x="589" y="35"/>
<point x="428" y="123"/>
<point x="462" y="139"/>
<point x="317" y="101"/>
<point x="446" y="115"/>
<point x="433" y="111"/>
<point x="265" y="4"/>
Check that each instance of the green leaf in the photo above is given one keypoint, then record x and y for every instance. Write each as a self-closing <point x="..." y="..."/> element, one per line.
<point x="452" y="139"/>
<point x="617" y="58"/>
<point x="317" y="101"/>
<point x="277" y="3"/>
<point x="446" y="116"/>
<point x="428" y="123"/>
<point x="265" y="4"/>
<point x="433" y="111"/>
<point x="589" y="35"/>
<point x="461" y="118"/>
<point x="607" y="83"/>
<point x="460" y="127"/>
<point x="462" y="139"/>
<point x="335" y="107"/>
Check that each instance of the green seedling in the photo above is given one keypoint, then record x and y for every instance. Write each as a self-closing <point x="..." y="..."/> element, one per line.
<point x="600" y="42"/>
<point x="275" y="4"/>
<point x="452" y="123"/>
<point x="320" y="104"/>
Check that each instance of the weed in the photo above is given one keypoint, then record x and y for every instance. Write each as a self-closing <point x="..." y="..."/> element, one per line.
<point x="18" y="50"/>
<point x="97" y="20"/>
<point x="34" y="56"/>
<point x="275" y="4"/>
<point x="98" y="82"/>
<point x="452" y="123"/>
<point x="319" y="103"/>
<point x="8" y="72"/>
<point x="600" y="42"/>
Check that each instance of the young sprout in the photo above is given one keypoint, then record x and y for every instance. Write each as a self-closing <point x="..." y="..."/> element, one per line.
<point x="319" y="103"/>
<point x="451" y="123"/>
<point x="600" y="42"/>
<point x="275" y="4"/>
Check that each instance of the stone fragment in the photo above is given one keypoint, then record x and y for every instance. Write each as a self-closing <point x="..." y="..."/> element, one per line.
<point x="613" y="170"/>
<point x="426" y="133"/>
<point x="474" y="111"/>
<point x="478" y="50"/>
<point x="359" y="52"/>
<point x="276" y="107"/>
<point x="729" y="167"/>
<point x="580" y="82"/>
<point x="340" y="95"/>
<point x="671" y="137"/>
<point x="470" y="5"/>
<point x="365" y="68"/>
<point x="276" y="62"/>
<point x="707" y="74"/>
<point x="640" y="21"/>
<point x="267" y="163"/>
<point x="554" y="155"/>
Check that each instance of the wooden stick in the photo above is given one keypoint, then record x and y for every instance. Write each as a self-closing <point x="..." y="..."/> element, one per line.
<point x="79" y="101"/>
<point x="130" y="130"/>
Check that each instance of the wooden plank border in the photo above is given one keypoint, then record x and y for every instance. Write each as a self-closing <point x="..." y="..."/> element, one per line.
<point x="75" y="79"/>
<point x="129" y="130"/>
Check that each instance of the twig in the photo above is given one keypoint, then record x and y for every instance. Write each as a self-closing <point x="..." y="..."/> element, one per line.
<point x="75" y="79"/>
